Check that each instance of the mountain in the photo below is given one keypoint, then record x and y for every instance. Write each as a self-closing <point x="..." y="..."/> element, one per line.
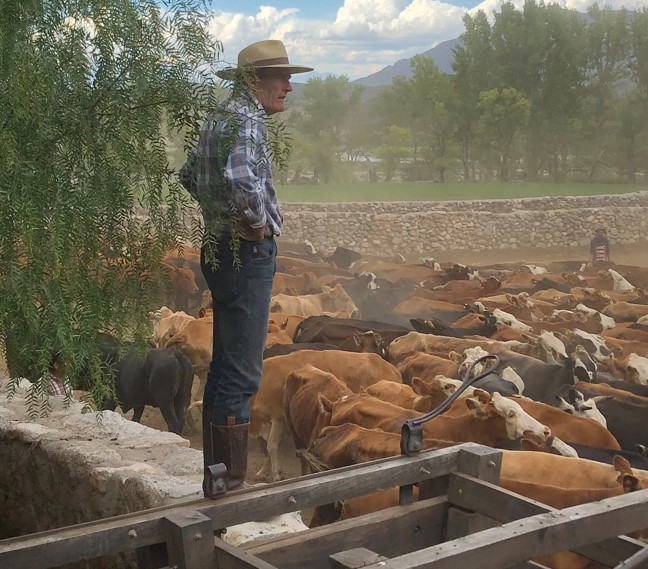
<point x="441" y="53"/>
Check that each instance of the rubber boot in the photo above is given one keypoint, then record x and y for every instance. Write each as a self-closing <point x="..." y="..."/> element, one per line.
<point x="229" y="446"/>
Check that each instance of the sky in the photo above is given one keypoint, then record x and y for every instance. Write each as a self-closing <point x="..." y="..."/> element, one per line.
<point x="353" y="37"/>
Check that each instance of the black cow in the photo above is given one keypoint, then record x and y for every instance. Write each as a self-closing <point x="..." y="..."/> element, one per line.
<point x="435" y="326"/>
<point x="541" y="380"/>
<point x="634" y="388"/>
<point x="493" y="383"/>
<point x="625" y="417"/>
<point x="330" y="330"/>
<point x="162" y="377"/>
<point x="606" y="455"/>
<point x="343" y="258"/>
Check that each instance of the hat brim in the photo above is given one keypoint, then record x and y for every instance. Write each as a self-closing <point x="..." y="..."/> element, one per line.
<point x="232" y="73"/>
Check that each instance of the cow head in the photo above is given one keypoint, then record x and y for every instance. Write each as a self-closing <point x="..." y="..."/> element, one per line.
<point x="585" y="367"/>
<point x="459" y="272"/>
<point x="620" y="283"/>
<point x="423" y="326"/>
<point x="506" y="320"/>
<point x="517" y="421"/>
<point x="555" y="351"/>
<point x="338" y="299"/>
<point x="637" y="369"/>
<point x="470" y="356"/>
<point x="371" y="342"/>
<point x="431" y="263"/>
<point x="371" y="280"/>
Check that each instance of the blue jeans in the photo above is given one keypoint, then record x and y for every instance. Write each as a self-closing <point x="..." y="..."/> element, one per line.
<point x="241" y="295"/>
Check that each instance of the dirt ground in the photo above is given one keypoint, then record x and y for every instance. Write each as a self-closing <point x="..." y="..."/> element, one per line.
<point x="632" y="254"/>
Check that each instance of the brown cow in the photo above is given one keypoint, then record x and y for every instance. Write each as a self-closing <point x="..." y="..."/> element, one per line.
<point x="183" y="280"/>
<point x="329" y="300"/>
<point x="568" y="428"/>
<point x="293" y="321"/>
<point x="300" y="397"/>
<point x="165" y="323"/>
<point x="195" y="341"/>
<point x="493" y="418"/>
<point x="625" y="311"/>
<point x="277" y="334"/>
<point x="404" y="396"/>
<point x="407" y="345"/>
<point x="267" y="420"/>
<point x="427" y="367"/>
<point x="284" y="282"/>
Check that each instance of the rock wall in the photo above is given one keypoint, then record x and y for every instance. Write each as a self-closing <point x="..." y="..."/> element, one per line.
<point x="425" y="227"/>
<point x="71" y="468"/>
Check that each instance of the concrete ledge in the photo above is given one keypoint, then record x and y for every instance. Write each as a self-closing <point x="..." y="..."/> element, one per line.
<point x="75" y="466"/>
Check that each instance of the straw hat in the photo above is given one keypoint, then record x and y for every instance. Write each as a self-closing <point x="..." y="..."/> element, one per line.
<point x="266" y="54"/>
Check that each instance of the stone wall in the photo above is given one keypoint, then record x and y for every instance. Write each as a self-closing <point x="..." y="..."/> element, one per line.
<point x="71" y="468"/>
<point x="425" y="227"/>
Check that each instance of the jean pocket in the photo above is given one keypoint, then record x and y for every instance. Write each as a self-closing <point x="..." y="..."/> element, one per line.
<point x="260" y="251"/>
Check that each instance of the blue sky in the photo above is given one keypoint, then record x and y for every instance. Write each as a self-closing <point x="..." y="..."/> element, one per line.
<point x="353" y="37"/>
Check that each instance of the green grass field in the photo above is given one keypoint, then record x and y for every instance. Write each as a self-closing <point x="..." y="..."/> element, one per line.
<point x="428" y="191"/>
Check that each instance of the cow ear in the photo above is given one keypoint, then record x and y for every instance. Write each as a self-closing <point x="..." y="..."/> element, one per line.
<point x="326" y="288"/>
<point x="509" y="298"/>
<point x="477" y="408"/>
<point x="455" y="357"/>
<point x="284" y="324"/>
<point x="377" y="339"/>
<point x="483" y="396"/>
<point x="622" y="465"/>
<point x="325" y="404"/>
<point x="416" y="384"/>
<point x="630" y="484"/>
<point x="356" y="339"/>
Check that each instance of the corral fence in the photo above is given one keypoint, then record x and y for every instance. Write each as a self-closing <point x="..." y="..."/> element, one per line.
<point x="462" y="519"/>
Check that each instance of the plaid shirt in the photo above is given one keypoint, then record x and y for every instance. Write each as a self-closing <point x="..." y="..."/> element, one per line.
<point x="233" y="177"/>
<point x="57" y="386"/>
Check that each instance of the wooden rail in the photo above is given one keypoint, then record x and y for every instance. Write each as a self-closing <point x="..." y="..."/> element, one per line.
<point x="460" y="528"/>
<point x="132" y="531"/>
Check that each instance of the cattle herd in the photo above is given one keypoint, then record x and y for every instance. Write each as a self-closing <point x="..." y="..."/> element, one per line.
<point x="358" y="344"/>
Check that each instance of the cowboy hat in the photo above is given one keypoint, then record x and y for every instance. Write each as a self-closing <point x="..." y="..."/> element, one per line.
<point x="266" y="54"/>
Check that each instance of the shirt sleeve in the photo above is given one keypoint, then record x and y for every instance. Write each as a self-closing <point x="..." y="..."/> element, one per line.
<point x="243" y="171"/>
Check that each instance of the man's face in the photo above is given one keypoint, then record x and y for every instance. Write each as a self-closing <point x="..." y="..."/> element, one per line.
<point x="272" y="87"/>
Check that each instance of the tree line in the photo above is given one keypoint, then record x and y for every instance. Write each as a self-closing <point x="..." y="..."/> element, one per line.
<point x="541" y="92"/>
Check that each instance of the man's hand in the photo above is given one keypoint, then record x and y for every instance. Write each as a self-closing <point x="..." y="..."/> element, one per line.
<point x="252" y="234"/>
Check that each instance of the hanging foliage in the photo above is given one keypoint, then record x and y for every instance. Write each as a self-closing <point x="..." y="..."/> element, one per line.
<point x="90" y="91"/>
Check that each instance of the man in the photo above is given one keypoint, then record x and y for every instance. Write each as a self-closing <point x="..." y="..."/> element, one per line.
<point x="233" y="184"/>
<point x="600" y="247"/>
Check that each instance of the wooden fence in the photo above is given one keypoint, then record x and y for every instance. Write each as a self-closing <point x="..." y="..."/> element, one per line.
<point x="461" y="519"/>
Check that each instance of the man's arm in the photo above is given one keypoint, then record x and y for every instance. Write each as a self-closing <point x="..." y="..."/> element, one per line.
<point x="242" y="172"/>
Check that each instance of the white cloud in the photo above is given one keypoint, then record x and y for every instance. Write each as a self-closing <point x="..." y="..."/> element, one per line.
<point x="365" y="36"/>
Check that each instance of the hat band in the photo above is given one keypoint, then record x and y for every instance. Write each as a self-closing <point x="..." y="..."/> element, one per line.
<point x="271" y="61"/>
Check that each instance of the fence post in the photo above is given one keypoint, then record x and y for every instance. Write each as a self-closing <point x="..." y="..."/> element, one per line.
<point x="484" y="463"/>
<point x="190" y="540"/>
